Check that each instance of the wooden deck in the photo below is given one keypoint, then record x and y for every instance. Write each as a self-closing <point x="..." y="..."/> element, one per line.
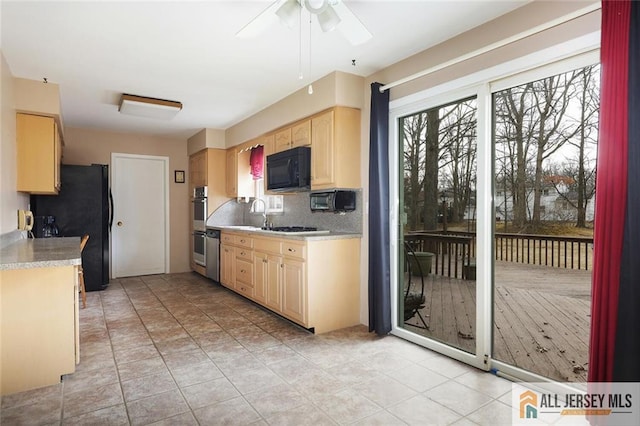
<point x="541" y="317"/>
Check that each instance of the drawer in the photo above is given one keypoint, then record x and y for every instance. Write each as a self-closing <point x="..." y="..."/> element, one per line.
<point x="245" y="290"/>
<point x="244" y="253"/>
<point x="244" y="273"/>
<point x="227" y="238"/>
<point x="268" y="246"/>
<point x="243" y="241"/>
<point x="296" y="250"/>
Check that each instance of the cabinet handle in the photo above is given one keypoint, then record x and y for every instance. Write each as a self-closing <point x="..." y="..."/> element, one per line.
<point x="242" y="253"/>
<point x="292" y="250"/>
<point x="282" y="265"/>
<point x="242" y="241"/>
<point x="242" y="271"/>
<point x="264" y="260"/>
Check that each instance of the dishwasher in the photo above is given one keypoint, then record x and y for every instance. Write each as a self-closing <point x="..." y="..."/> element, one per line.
<point x="212" y="238"/>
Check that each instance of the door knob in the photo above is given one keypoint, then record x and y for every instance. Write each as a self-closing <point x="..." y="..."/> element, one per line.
<point x="119" y="223"/>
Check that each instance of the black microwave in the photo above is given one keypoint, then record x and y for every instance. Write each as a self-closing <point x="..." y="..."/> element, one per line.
<point x="289" y="170"/>
<point x="333" y="201"/>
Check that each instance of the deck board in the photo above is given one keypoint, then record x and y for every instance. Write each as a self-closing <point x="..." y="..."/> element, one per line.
<point x="541" y="323"/>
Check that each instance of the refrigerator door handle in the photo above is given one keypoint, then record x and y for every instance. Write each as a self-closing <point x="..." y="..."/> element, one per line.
<point x="111" y="210"/>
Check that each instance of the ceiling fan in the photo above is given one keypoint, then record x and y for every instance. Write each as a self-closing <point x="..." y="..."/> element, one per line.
<point x="330" y="14"/>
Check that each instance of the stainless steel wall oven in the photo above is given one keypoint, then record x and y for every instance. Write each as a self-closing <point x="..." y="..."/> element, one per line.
<point x="200" y="248"/>
<point x="199" y="202"/>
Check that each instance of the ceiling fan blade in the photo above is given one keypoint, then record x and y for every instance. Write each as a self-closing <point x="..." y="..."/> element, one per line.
<point x="350" y="26"/>
<point x="260" y="23"/>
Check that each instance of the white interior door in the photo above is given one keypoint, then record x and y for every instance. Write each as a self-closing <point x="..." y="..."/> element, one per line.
<point x="140" y="243"/>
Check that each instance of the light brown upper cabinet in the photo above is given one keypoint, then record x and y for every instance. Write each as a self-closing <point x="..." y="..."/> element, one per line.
<point x="239" y="179"/>
<point x="301" y="134"/>
<point x="335" y="149"/>
<point x="232" y="173"/>
<point x="208" y="168"/>
<point x="39" y="153"/>
<point x="283" y="140"/>
<point x="198" y="169"/>
<point x="294" y="136"/>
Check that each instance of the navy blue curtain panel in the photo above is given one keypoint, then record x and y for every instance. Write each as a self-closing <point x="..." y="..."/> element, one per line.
<point x="379" y="255"/>
<point x="626" y="363"/>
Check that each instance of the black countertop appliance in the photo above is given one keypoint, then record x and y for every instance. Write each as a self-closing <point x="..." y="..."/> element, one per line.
<point x="83" y="207"/>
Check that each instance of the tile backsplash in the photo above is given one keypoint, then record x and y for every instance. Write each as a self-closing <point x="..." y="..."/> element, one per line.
<point x="296" y="213"/>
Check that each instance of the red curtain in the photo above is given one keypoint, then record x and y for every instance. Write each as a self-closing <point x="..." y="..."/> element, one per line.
<point x="611" y="187"/>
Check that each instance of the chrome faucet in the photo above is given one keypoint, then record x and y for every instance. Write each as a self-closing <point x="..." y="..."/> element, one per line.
<point x="264" y="212"/>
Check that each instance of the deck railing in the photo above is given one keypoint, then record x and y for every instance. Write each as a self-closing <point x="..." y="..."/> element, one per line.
<point x="548" y="250"/>
<point x="455" y="250"/>
<point x="452" y="252"/>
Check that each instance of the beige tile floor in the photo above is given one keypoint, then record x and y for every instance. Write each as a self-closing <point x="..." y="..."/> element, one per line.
<point x="180" y="350"/>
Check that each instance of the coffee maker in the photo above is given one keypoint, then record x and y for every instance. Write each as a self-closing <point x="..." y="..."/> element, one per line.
<point x="45" y="227"/>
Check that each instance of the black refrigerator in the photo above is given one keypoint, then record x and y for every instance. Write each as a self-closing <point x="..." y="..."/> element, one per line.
<point x="83" y="207"/>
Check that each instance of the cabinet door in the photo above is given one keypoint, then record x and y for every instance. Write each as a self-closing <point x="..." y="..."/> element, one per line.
<point x="227" y="264"/>
<point x="294" y="290"/>
<point x="322" y="149"/>
<point x="274" y="283"/>
<point x="232" y="173"/>
<point x="260" y="276"/>
<point x="301" y="134"/>
<point x="283" y="140"/>
<point x="244" y="271"/>
<point x="38" y="154"/>
<point x="58" y="156"/>
<point x="198" y="169"/>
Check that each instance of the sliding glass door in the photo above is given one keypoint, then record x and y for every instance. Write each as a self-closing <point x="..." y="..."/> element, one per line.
<point x="438" y="156"/>
<point x="545" y="137"/>
<point x="492" y="212"/>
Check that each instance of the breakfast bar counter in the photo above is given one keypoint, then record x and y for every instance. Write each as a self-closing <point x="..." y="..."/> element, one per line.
<point x="40" y="253"/>
<point x="39" y="327"/>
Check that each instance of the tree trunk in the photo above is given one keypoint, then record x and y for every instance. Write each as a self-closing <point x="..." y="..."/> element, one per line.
<point x="430" y="212"/>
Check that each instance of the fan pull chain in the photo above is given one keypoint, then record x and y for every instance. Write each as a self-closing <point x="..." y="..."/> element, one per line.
<point x="310" y="88"/>
<point x="300" y="74"/>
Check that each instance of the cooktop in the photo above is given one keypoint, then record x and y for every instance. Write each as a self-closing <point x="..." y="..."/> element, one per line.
<point x="297" y="229"/>
<point x="292" y="228"/>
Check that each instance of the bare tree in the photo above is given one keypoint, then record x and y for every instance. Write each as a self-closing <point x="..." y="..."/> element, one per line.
<point x="552" y="97"/>
<point x="413" y="129"/>
<point x="589" y="99"/>
<point x="514" y="130"/>
<point x="459" y="167"/>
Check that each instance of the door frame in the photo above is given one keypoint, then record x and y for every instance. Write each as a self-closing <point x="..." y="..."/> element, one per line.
<point x="482" y="84"/>
<point x="166" y="194"/>
<point x="434" y="98"/>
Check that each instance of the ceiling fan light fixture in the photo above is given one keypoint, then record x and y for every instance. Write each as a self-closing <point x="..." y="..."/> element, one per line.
<point x="142" y="106"/>
<point x="328" y="20"/>
<point x="288" y="12"/>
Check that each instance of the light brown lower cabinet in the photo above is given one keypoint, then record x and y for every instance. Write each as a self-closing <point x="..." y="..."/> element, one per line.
<point x="314" y="283"/>
<point x="39" y="336"/>
<point x="227" y="265"/>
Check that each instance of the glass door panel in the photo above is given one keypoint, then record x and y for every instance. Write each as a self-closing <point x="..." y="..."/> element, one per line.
<point x="545" y="139"/>
<point x="437" y="295"/>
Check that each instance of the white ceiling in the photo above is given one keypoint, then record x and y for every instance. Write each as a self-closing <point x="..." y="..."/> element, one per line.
<point x="187" y="51"/>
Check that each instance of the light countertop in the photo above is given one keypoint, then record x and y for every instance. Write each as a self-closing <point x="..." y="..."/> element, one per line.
<point x="304" y="236"/>
<point x="41" y="253"/>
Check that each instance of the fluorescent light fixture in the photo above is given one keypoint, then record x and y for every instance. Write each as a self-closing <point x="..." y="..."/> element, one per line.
<point x="148" y="107"/>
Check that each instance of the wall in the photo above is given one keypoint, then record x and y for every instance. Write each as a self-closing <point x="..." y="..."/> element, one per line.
<point x="337" y="88"/>
<point x="206" y="138"/>
<point x="86" y="146"/>
<point x="11" y="200"/>
<point x="524" y="18"/>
